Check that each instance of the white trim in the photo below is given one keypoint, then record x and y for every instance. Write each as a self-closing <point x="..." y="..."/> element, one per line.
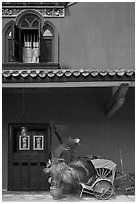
<point x="68" y="84"/>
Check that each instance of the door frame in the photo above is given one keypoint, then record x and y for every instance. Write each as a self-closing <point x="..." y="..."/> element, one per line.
<point x="10" y="143"/>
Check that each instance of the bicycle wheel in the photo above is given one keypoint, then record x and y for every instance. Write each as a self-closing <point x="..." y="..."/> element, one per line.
<point x="103" y="190"/>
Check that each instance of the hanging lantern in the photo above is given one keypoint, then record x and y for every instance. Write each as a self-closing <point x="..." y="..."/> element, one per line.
<point x="24" y="140"/>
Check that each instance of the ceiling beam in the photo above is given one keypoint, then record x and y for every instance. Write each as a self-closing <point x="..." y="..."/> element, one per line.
<point x="67" y="84"/>
<point x="117" y="100"/>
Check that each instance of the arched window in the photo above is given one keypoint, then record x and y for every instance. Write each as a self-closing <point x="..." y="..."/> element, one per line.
<point x="28" y="42"/>
<point x="30" y="38"/>
<point x="50" y="44"/>
<point x="47" y="45"/>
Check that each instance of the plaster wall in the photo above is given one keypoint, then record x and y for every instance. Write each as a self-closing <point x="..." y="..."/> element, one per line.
<point x="96" y="35"/>
<point x="77" y="113"/>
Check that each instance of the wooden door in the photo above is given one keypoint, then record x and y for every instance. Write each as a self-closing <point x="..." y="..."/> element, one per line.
<point x="28" y="156"/>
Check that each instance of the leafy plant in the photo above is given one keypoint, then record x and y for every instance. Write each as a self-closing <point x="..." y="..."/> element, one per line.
<point x="62" y="174"/>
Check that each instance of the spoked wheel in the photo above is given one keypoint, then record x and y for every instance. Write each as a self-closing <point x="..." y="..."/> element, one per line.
<point x="103" y="190"/>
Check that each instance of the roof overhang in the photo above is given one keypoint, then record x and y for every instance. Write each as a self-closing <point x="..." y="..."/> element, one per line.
<point x="67" y="78"/>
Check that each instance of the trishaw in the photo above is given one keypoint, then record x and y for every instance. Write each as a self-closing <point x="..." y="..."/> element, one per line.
<point x="102" y="186"/>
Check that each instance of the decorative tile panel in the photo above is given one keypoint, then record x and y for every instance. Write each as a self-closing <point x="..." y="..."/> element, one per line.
<point x="46" y="12"/>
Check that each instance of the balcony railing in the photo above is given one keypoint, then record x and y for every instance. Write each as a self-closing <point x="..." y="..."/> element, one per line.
<point x="23" y="66"/>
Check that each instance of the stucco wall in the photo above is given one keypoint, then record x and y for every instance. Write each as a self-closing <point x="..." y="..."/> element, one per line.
<point x="79" y="113"/>
<point x="96" y="35"/>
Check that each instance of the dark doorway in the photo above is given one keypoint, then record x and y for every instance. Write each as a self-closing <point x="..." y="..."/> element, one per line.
<point x="28" y="154"/>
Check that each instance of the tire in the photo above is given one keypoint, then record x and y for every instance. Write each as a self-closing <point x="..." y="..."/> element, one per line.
<point x="103" y="189"/>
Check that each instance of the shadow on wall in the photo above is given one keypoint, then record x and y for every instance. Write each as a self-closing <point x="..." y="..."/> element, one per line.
<point x="81" y="111"/>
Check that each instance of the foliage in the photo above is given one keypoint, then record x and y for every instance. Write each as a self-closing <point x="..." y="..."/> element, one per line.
<point x="79" y="164"/>
<point x="62" y="173"/>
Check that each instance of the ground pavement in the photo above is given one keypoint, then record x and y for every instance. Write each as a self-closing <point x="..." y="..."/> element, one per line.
<point x="46" y="197"/>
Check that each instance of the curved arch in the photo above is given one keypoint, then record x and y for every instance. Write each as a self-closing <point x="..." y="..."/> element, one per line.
<point x="6" y="28"/>
<point x="49" y="25"/>
<point x="23" y="13"/>
<point x="34" y="23"/>
<point x="25" y="23"/>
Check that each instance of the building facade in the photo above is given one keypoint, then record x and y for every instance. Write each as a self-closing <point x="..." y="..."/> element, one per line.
<point x="74" y="64"/>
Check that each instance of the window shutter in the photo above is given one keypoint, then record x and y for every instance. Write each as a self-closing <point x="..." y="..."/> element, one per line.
<point x="10" y="50"/>
<point x="15" y="43"/>
<point x="48" y="49"/>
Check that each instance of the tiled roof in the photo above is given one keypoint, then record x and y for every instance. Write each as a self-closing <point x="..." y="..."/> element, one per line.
<point x="67" y="75"/>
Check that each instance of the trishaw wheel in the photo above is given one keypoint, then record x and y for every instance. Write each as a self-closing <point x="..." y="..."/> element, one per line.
<point x="103" y="190"/>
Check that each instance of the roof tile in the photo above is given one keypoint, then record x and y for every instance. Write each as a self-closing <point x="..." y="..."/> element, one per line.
<point x="112" y="72"/>
<point x="51" y="74"/>
<point x="33" y="73"/>
<point x="42" y="74"/>
<point x="59" y="73"/>
<point x="76" y="73"/>
<point x="15" y="73"/>
<point x="85" y="73"/>
<point x="68" y="73"/>
<point x="94" y="73"/>
<point x="24" y="74"/>
<point x="120" y="72"/>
